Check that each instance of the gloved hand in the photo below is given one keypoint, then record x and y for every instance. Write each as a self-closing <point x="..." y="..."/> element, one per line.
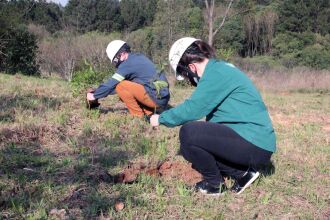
<point x="91" y="103"/>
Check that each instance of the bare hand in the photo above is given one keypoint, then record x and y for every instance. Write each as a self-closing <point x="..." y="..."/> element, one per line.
<point x="90" y="96"/>
<point x="154" y="120"/>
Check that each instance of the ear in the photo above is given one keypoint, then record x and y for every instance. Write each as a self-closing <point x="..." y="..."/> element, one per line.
<point x="192" y="67"/>
<point x="123" y="56"/>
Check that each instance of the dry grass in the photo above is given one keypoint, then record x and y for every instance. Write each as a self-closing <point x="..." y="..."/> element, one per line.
<point x="62" y="55"/>
<point x="57" y="159"/>
<point x="299" y="79"/>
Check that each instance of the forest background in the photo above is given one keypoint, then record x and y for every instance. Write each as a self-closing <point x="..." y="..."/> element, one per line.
<point x="45" y="38"/>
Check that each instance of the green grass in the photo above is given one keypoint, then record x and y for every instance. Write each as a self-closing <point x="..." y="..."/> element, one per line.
<point x="56" y="155"/>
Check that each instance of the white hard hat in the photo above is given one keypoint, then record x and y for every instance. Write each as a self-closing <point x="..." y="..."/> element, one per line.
<point x="113" y="48"/>
<point x="178" y="49"/>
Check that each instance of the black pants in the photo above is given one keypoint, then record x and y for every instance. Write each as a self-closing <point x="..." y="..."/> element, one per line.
<point x="215" y="150"/>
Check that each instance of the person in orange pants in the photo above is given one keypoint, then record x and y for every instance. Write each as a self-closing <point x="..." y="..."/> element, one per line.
<point x="136" y="98"/>
<point x="136" y="81"/>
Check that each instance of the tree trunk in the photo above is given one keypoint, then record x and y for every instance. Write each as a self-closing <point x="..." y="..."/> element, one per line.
<point x="209" y="14"/>
<point x="210" y="19"/>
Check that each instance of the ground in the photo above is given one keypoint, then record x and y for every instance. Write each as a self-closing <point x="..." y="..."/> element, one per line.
<point x="61" y="161"/>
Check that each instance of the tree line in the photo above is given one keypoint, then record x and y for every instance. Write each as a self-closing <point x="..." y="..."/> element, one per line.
<point x="292" y="32"/>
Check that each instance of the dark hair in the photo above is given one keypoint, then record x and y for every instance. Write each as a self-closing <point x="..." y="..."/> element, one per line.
<point x="197" y="52"/>
<point x="125" y="48"/>
<point x="116" y="59"/>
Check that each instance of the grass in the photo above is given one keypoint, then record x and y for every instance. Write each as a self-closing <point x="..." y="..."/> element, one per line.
<point x="56" y="157"/>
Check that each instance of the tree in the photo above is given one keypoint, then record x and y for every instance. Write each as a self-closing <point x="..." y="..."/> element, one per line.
<point x="259" y="31"/>
<point x="90" y="15"/>
<point x="142" y="40"/>
<point x="108" y="16"/>
<point x="37" y="12"/>
<point x="81" y="14"/>
<point x="231" y="37"/>
<point x="210" y="19"/>
<point x="137" y="13"/>
<point x="308" y="15"/>
<point x="20" y="52"/>
<point x="8" y="19"/>
<point x="18" y="47"/>
<point x="174" y="19"/>
<point x="47" y="14"/>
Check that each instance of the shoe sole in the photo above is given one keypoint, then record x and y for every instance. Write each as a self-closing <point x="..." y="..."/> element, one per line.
<point x="249" y="183"/>
<point x="209" y="194"/>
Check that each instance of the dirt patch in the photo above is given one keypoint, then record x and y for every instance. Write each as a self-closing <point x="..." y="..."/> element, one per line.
<point x="166" y="170"/>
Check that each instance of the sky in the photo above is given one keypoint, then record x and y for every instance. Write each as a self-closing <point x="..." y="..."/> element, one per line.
<point x="62" y="2"/>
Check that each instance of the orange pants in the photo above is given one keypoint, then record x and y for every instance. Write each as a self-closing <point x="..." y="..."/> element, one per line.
<point x="136" y="98"/>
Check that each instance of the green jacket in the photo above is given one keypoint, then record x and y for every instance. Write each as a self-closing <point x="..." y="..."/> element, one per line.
<point x="226" y="95"/>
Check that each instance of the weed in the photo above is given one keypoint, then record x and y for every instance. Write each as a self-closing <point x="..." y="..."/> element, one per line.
<point x="160" y="189"/>
<point x="162" y="149"/>
<point x="40" y="214"/>
<point x="87" y="129"/>
<point x="266" y="198"/>
<point x="146" y="181"/>
<point x="144" y="146"/>
<point x="87" y="77"/>
<point x="182" y="189"/>
<point x="62" y="118"/>
<point x="94" y="114"/>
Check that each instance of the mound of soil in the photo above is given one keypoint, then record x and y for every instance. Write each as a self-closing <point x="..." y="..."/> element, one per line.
<point x="167" y="170"/>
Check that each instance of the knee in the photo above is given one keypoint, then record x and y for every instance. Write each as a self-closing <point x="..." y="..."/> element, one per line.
<point x="185" y="133"/>
<point x="186" y="137"/>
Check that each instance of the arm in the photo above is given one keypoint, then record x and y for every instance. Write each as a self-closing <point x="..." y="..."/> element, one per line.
<point x="108" y="88"/>
<point x="209" y="93"/>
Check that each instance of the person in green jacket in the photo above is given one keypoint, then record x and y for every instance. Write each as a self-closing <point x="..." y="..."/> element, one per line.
<point x="237" y="136"/>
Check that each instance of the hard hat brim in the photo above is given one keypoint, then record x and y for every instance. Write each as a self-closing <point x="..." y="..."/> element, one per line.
<point x="178" y="49"/>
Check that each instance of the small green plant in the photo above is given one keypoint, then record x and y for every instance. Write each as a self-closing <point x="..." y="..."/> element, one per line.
<point x="146" y="180"/>
<point x="87" y="129"/>
<point x="182" y="189"/>
<point x="265" y="199"/>
<point x="39" y="214"/>
<point x="93" y="114"/>
<point x="145" y="146"/>
<point x="86" y="77"/>
<point x="160" y="189"/>
<point x="162" y="150"/>
<point x="160" y="84"/>
<point x="62" y="118"/>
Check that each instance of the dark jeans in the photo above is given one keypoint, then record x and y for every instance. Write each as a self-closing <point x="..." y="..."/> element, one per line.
<point x="216" y="150"/>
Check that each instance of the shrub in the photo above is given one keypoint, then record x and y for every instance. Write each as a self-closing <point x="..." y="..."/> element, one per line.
<point x="141" y="41"/>
<point x="20" y="52"/>
<point x="306" y="49"/>
<point x="289" y="60"/>
<point x="315" y="56"/>
<point x="258" y="64"/>
<point x="286" y="44"/>
<point x="225" y="54"/>
<point x="64" y="53"/>
<point x="86" y="77"/>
